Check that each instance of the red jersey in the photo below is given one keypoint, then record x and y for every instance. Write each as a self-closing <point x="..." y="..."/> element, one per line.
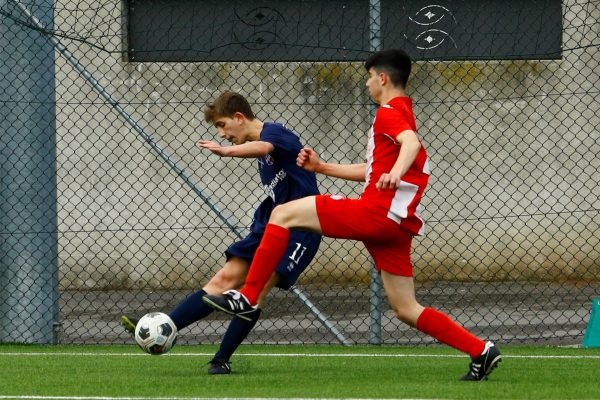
<point x="402" y="204"/>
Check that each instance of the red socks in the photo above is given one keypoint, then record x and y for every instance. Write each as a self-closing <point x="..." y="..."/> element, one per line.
<point x="432" y="322"/>
<point x="271" y="249"/>
<point x="443" y="329"/>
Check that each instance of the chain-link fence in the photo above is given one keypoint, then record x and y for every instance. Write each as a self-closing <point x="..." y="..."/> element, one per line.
<point x="108" y="208"/>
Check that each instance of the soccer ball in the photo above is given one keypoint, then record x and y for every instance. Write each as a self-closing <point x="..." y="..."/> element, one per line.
<point x="156" y="333"/>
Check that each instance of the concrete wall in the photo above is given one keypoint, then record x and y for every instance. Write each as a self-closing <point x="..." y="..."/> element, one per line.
<point x="514" y="148"/>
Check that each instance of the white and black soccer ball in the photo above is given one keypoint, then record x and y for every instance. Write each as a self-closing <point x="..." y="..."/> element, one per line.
<point x="155" y="333"/>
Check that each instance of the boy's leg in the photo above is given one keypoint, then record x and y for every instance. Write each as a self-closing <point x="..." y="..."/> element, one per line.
<point x="332" y="220"/>
<point x="301" y="249"/>
<point x="269" y="253"/>
<point x="190" y="310"/>
<point x="400" y="291"/>
<point x="302" y="214"/>
<point x="237" y="331"/>
<point x="401" y="294"/>
<point x="193" y="309"/>
<point x="324" y="214"/>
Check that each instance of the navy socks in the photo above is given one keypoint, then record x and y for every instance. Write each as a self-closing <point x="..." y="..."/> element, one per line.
<point x="193" y="309"/>
<point x="190" y="310"/>
<point x="236" y="333"/>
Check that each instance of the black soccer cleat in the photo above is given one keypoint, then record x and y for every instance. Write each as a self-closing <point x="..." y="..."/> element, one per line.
<point x="231" y="302"/>
<point x="219" y="367"/>
<point x="483" y="365"/>
<point x="129" y="323"/>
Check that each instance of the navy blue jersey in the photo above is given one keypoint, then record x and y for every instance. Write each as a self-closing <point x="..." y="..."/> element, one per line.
<point x="282" y="179"/>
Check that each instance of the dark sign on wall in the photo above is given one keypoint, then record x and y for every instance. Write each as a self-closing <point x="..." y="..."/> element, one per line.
<point x="293" y="30"/>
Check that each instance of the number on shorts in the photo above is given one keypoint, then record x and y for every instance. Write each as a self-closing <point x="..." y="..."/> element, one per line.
<point x="298" y="253"/>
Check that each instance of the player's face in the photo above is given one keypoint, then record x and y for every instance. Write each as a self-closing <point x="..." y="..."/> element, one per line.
<point x="231" y="129"/>
<point x="374" y="85"/>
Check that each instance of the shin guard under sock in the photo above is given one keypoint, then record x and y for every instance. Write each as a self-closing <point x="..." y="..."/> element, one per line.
<point x="190" y="310"/>
<point x="445" y="330"/>
<point x="271" y="249"/>
<point x="236" y="333"/>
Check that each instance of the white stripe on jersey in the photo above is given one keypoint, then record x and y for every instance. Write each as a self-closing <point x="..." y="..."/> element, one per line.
<point x="426" y="168"/>
<point x="369" y="156"/>
<point x="405" y="193"/>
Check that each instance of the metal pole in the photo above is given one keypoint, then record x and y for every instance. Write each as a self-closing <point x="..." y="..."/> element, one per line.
<point x="162" y="153"/>
<point x="320" y="316"/>
<point x="119" y="108"/>
<point x="28" y="222"/>
<point x="376" y="286"/>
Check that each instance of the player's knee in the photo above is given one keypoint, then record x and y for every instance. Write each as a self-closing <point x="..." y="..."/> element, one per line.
<point x="280" y="215"/>
<point x="401" y="315"/>
<point x="225" y="280"/>
<point x="405" y="313"/>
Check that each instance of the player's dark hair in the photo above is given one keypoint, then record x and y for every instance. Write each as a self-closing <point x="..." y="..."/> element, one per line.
<point x="394" y="62"/>
<point x="227" y="104"/>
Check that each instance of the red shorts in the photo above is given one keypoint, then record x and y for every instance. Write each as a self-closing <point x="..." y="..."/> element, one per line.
<point x="356" y="219"/>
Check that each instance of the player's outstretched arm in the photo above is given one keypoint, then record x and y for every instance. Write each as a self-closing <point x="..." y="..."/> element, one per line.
<point x="309" y="160"/>
<point x="245" y="150"/>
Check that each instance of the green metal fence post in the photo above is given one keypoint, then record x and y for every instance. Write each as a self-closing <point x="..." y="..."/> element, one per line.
<point x="376" y="286"/>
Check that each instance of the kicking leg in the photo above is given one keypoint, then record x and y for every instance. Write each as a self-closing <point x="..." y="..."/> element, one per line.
<point x="193" y="309"/>
<point x="301" y="214"/>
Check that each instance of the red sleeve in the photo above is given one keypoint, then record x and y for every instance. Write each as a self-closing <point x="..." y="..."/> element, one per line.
<point x="391" y="122"/>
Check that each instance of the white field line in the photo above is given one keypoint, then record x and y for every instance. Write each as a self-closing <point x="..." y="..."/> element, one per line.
<point x="334" y="355"/>
<point x="185" y="398"/>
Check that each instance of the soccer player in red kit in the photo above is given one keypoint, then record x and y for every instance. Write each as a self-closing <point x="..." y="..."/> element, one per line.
<point x="385" y="217"/>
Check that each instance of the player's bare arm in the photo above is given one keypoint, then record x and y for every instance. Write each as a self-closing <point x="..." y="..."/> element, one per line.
<point x="409" y="149"/>
<point x="245" y="150"/>
<point x="309" y="160"/>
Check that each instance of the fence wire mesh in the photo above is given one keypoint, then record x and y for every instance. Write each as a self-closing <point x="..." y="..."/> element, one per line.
<point x="108" y="208"/>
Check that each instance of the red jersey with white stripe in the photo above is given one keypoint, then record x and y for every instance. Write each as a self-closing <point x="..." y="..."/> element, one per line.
<point x="402" y="204"/>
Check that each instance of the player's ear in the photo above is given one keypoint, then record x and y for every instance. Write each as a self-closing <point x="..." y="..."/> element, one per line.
<point x="383" y="78"/>
<point x="239" y="117"/>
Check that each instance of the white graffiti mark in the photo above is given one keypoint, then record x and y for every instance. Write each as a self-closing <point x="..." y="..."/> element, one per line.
<point x="431" y="14"/>
<point x="432" y="38"/>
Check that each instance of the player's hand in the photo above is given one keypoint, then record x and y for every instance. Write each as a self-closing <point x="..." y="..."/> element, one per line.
<point x="308" y="159"/>
<point x="388" y="181"/>
<point x="214" y="147"/>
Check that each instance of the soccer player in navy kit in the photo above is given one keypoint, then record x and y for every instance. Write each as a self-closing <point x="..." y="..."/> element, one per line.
<point x="276" y="148"/>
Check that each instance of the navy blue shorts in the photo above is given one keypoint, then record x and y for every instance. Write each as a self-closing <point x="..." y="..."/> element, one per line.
<point x="301" y="249"/>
